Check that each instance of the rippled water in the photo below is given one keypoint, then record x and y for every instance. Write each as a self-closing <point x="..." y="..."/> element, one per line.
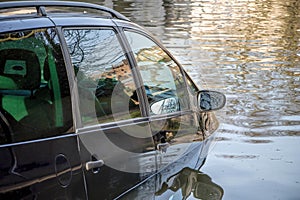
<point x="250" y="50"/>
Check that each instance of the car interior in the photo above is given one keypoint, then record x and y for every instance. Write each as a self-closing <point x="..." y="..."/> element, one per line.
<point x="30" y="95"/>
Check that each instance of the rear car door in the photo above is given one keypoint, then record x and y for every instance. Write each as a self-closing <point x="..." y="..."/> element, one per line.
<point x="38" y="147"/>
<point x="116" y="144"/>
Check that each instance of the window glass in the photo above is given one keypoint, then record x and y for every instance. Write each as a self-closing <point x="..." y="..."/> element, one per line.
<point x="105" y="84"/>
<point x="34" y="91"/>
<point x="162" y="78"/>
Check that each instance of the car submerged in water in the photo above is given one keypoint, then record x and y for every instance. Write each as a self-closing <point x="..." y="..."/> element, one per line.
<point x="93" y="107"/>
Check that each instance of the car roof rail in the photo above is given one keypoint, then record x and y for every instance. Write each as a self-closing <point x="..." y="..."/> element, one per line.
<point x="40" y="6"/>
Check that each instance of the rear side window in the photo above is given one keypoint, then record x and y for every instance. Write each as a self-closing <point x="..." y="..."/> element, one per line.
<point x="106" y="88"/>
<point x="34" y="91"/>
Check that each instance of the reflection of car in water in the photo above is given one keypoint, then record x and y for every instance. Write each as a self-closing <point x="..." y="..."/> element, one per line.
<point x="189" y="182"/>
<point x="186" y="183"/>
<point x="92" y="106"/>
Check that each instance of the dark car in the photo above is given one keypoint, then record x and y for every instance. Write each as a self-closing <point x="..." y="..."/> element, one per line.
<point x="92" y="106"/>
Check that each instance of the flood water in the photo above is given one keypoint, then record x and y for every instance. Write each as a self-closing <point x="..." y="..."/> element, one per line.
<point x="250" y="50"/>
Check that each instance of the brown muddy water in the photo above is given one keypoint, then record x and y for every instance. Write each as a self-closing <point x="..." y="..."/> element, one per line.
<point x="250" y="50"/>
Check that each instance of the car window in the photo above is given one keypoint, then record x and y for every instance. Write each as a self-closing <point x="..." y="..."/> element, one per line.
<point x="34" y="91"/>
<point x="106" y="88"/>
<point x="162" y="77"/>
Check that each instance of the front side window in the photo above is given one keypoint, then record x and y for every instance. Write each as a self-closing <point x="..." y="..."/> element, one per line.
<point x="106" y="88"/>
<point x="162" y="77"/>
<point x="34" y="91"/>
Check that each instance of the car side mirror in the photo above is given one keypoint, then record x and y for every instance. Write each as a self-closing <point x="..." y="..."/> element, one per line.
<point x="211" y="100"/>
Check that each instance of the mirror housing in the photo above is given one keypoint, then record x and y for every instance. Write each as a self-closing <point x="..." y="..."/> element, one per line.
<point x="211" y="100"/>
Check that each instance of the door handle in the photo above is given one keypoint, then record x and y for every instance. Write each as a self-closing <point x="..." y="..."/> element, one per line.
<point x="94" y="164"/>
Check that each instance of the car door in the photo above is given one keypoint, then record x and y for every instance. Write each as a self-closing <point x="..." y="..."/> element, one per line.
<point x="38" y="146"/>
<point x="116" y="145"/>
<point x="174" y="120"/>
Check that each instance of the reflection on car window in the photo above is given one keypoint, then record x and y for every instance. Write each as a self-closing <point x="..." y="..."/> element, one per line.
<point x="161" y="76"/>
<point x="34" y="91"/>
<point x="105" y="84"/>
<point x="191" y="85"/>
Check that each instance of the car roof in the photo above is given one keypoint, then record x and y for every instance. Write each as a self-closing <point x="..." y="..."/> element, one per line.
<point x="19" y="15"/>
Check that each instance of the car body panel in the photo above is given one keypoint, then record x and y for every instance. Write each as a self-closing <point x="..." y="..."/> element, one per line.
<point x="38" y="168"/>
